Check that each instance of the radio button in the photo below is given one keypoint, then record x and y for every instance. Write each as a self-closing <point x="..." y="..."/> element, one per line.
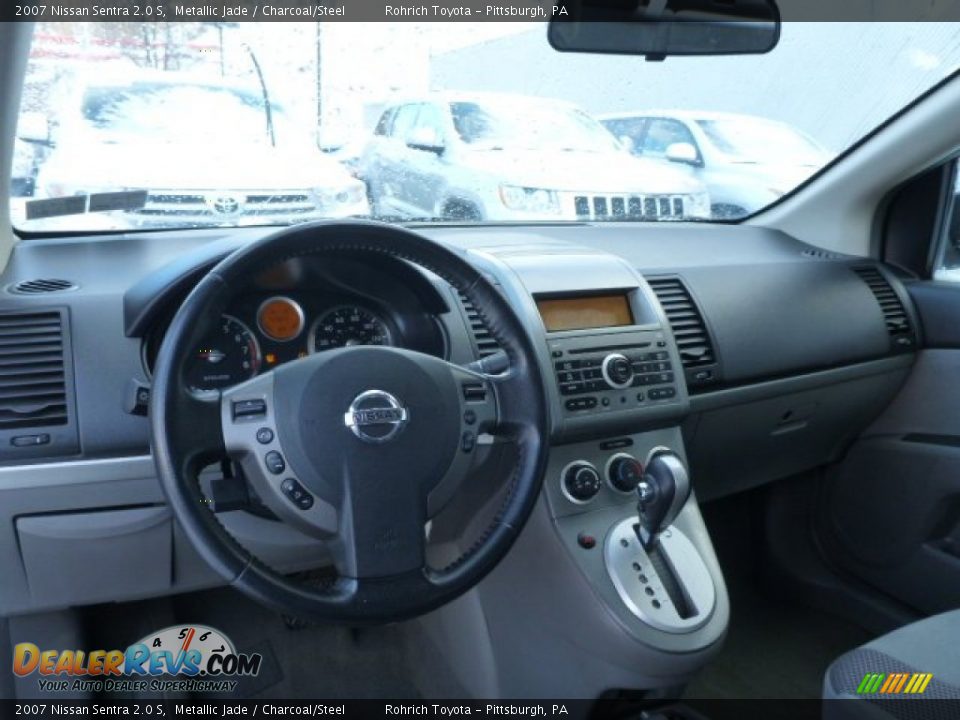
<point x="617" y="370"/>
<point x="662" y="393"/>
<point x="586" y="403"/>
<point x="571" y="388"/>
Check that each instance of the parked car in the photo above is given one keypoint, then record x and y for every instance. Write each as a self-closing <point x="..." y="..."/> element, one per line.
<point x="30" y="147"/>
<point x="745" y="161"/>
<point x="506" y="157"/>
<point x="197" y="170"/>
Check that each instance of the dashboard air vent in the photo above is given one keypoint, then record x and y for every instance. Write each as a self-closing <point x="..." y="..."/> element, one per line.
<point x="33" y="390"/>
<point x="689" y="329"/>
<point x="486" y="345"/>
<point x="43" y="285"/>
<point x="894" y="313"/>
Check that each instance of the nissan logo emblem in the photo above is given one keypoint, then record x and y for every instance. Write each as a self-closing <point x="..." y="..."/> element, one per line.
<point x="376" y="416"/>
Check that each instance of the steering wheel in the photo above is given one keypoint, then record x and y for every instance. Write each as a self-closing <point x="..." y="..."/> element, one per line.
<point x="358" y="447"/>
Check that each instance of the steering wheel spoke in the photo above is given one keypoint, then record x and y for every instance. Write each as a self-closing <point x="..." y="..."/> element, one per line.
<point x="253" y="439"/>
<point x="382" y="528"/>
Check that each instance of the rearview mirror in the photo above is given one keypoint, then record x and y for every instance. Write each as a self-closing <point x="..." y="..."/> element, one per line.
<point x="668" y="27"/>
<point x="682" y="152"/>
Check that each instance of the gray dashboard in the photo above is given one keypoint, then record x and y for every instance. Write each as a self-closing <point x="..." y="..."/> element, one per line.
<point x="776" y="347"/>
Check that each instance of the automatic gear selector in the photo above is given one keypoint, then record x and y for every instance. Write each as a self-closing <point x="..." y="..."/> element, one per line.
<point x="661" y="494"/>
<point x="655" y="568"/>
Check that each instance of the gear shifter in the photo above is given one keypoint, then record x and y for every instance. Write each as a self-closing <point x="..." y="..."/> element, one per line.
<point x="661" y="494"/>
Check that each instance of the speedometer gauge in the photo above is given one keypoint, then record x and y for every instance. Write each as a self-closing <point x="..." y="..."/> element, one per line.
<point x="227" y="356"/>
<point x="348" y="325"/>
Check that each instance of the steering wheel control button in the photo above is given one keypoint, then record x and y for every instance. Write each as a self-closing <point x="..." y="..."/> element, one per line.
<point x="474" y="392"/>
<point x="470" y="417"/>
<point x="264" y="436"/>
<point x="624" y="473"/>
<point x="243" y="409"/>
<point x="296" y="494"/>
<point x="587" y="542"/>
<point x="580" y="482"/>
<point x="617" y="370"/>
<point x="376" y="416"/>
<point x="274" y="462"/>
<point x="468" y="441"/>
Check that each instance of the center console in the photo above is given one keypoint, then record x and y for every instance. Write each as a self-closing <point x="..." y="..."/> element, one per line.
<point x="639" y="599"/>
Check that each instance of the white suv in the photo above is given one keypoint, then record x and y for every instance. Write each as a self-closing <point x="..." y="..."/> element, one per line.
<point x="197" y="169"/>
<point x="746" y="162"/>
<point x="503" y="157"/>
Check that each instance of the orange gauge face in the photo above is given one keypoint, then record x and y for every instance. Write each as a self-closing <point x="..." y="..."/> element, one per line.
<point x="280" y="319"/>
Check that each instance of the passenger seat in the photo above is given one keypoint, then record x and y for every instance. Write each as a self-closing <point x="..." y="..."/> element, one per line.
<point x="899" y="663"/>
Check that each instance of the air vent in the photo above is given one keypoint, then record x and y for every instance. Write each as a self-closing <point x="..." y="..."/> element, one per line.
<point x="689" y="329"/>
<point x="32" y="375"/>
<point x="486" y="345"/>
<point x="894" y="313"/>
<point x="44" y="285"/>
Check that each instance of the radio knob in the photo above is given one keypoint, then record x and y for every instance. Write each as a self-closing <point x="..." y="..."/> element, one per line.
<point x="624" y="473"/>
<point x="617" y="370"/>
<point x="581" y="482"/>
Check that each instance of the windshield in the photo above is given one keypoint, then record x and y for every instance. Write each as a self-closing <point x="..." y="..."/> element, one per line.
<point x="136" y="126"/>
<point x="754" y="140"/>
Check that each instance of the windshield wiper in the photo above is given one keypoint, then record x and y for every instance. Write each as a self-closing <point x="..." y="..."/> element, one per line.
<point x="268" y="110"/>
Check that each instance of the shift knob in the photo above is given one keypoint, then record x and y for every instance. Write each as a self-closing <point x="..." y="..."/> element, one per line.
<point x="661" y="494"/>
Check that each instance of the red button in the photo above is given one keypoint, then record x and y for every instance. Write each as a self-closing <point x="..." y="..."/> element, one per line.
<point x="587" y="542"/>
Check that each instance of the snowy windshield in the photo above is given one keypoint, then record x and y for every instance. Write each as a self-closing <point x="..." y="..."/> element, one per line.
<point x="129" y="126"/>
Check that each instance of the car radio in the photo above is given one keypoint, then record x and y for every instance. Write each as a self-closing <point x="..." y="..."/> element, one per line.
<point x="603" y="361"/>
<point x="597" y="373"/>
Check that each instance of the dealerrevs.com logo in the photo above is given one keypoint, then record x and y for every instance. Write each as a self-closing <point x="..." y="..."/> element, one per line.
<point x="180" y="658"/>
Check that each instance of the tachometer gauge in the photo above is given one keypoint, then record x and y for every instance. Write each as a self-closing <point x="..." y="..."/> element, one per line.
<point x="226" y="357"/>
<point x="348" y="325"/>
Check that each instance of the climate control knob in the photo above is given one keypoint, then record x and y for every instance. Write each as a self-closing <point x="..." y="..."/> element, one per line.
<point x="617" y="370"/>
<point x="624" y="473"/>
<point x="580" y="482"/>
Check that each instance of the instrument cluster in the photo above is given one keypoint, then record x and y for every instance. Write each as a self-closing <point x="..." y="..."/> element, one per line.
<point x="258" y="333"/>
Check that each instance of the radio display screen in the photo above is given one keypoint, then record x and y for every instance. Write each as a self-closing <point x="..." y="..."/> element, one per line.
<point x="585" y="312"/>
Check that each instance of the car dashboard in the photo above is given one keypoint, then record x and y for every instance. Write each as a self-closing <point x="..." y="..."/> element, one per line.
<point x="728" y="350"/>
